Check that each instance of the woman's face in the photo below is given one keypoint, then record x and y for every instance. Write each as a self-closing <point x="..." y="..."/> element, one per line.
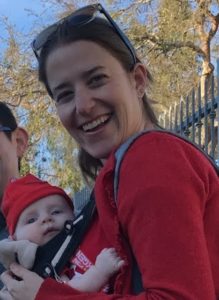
<point x="98" y="102"/>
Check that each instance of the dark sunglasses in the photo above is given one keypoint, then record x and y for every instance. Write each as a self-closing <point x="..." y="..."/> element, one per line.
<point x="5" y="128"/>
<point x="80" y="17"/>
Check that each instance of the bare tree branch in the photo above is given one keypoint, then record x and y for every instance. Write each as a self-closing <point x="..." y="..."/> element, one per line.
<point x="168" y="46"/>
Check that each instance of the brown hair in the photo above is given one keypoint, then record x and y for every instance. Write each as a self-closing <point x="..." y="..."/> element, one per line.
<point x="102" y="33"/>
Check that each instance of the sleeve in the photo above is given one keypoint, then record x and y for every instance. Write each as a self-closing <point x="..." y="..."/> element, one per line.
<point x="161" y="200"/>
<point x="163" y="190"/>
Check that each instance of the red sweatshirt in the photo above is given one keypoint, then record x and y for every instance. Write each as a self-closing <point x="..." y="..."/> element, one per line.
<point x="168" y="207"/>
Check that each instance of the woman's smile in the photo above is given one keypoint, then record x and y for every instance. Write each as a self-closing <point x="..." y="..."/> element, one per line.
<point x="96" y="124"/>
<point x="96" y="98"/>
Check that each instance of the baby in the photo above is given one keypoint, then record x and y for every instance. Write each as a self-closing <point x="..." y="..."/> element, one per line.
<point x="35" y="212"/>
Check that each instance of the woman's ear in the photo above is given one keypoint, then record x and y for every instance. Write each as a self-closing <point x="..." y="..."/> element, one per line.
<point x="140" y="77"/>
<point x="21" y="137"/>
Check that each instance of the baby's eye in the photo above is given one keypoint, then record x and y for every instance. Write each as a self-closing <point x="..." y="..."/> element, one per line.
<point x="31" y="220"/>
<point x="56" y="211"/>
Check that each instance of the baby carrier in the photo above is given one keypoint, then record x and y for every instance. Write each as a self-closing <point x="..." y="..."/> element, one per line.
<point x="53" y="257"/>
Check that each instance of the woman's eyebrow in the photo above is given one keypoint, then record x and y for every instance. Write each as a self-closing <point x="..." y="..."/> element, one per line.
<point x="91" y="71"/>
<point x="61" y="86"/>
<point x="84" y="74"/>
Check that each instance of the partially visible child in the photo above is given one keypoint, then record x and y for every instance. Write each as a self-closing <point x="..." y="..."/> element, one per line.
<point x="36" y="211"/>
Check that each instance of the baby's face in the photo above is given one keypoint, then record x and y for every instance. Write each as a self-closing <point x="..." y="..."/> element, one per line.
<point x="43" y="219"/>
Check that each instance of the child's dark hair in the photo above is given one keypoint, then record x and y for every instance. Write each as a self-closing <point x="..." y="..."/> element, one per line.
<point x="7" y="118"/>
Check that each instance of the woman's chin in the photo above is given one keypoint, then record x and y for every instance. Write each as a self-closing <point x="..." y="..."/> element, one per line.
<point x="100" y="154"/>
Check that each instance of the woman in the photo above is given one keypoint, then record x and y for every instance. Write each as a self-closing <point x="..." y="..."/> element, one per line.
<point x="167" y="207"/>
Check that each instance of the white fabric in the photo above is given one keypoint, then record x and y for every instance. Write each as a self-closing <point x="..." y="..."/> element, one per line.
<point x="23" y="250"/>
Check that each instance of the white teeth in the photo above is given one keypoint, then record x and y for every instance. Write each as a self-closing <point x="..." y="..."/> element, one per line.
<point x="95" y="123"/>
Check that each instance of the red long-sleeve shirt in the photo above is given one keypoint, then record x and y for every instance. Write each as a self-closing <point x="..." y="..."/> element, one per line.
<point x="168" y="207"/>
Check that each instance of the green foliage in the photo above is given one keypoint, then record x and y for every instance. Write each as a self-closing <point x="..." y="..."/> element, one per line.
<point x="175" y="47"/>
<point x="175" y="69"/>
<point x="20" y="89"/>
<point x="173" y="37"/>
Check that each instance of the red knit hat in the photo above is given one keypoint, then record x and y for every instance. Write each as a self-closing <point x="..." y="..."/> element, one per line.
<point x="24" y="191"/>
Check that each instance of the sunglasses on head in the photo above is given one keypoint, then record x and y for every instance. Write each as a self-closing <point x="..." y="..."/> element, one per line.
<point x="5" y="128"/>
<point x="79" y="18"/>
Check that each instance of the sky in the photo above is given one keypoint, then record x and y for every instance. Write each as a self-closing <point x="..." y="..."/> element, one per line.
<point x="15" y="10"/>
<point x="29" y="14"/>
<point x="22" y="14"/>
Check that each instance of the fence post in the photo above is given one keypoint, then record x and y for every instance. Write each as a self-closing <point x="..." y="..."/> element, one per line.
<point x="193" y="115"/>
<point x="176" y="116"/>
<point x="205" y="88"/>
<point x="186" y="130"/>
<point x="170" y="118"/>
<point x="217" y="100"/>
<point x="181" y="113"/>
<point x="197" y="114"/>
<point x="212" y="116"/>
<point x="199" y="122"/>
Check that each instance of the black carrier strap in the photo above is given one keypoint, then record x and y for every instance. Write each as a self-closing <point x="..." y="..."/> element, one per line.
<point x="137" y="285"/>
<point x="52" y="257"/>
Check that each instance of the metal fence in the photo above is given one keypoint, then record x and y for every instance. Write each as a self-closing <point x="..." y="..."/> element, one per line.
<point x="197" y="116"/>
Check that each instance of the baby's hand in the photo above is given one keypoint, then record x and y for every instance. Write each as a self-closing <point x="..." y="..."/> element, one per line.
<point x="108" y="262"/>
<point x="24" y="250"/>
<point x="63" y="279"/>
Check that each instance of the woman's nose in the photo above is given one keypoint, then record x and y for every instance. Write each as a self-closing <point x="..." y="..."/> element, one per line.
<point x="84" y="102"/>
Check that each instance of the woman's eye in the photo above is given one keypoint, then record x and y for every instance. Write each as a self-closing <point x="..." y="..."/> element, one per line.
<point x="64" y="97"/>
<point x="97" y="80"/>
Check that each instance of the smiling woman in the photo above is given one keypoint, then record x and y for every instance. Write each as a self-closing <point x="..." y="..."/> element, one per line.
<point x="94" y="90"/>
<point x="167" y="201"/>
<point x="100" y="76"/>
